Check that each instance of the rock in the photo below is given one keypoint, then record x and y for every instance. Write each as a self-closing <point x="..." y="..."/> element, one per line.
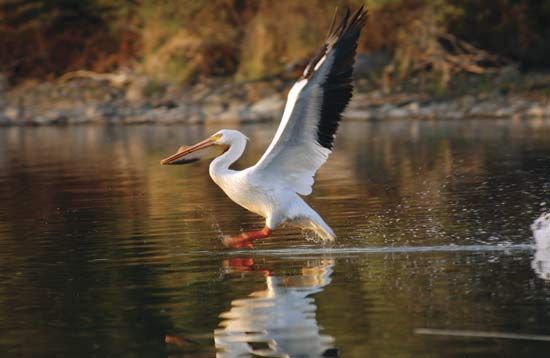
<point x="359" y="101"/>
<point x="485" y="108"/>
<point x="383" y="110"/>
<point x="435" y="110"/>
<point x="38" y="120"/>
<point x="268" y="108"/>
<point x="412" y="107"/>
<point x="358" y="114"/>
<point x="163" y="115"/>
<point x="49" y="118"/>
<point x="12" y="113"/>
<point x="505" y="111"/>
<point x="235" y="112"/>
<point x="213" y="109"/>
<point x="535" y="110"/>
<point x="398" y="113"/>
<point x="92" y="113"/>
<point x="86" y="100"/>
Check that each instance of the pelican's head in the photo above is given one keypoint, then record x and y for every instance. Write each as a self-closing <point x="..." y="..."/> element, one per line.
<point x="228" y="137"/>
<point x="223" y="139"/>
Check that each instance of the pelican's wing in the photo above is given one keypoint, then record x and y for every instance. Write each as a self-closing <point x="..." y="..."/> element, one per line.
<point x="313" y="109"/>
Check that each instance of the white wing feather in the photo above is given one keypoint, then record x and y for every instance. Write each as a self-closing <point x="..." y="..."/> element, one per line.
<point x="294" y="155"/>
<point x="314" y="105"/>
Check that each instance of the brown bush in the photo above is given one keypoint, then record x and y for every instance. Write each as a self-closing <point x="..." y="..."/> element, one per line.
<point x="186" y="40"/>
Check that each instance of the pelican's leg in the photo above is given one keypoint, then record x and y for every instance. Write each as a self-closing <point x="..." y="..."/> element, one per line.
<point x="244" y="240"/>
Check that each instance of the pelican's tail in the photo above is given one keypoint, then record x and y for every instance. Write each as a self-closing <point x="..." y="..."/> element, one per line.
<point x="315" y="223"/>
<point x="322" y="229"/>
<point x="303" y="216"/>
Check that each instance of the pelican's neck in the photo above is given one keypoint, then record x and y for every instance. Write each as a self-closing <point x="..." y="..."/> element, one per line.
<point x="220" y="166"/>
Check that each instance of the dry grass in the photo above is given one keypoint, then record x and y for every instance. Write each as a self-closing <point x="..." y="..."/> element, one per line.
<point x="188" y="40"/>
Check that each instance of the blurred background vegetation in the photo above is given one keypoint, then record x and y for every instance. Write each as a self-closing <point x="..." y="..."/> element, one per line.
<point x="188" y="40"/>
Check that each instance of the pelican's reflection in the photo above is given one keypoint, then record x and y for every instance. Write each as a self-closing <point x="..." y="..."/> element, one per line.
<point x="279" y="321"/>
<point x="541" y="260"/>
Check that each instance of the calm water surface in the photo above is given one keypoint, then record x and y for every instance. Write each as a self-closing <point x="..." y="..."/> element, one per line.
<point x="105" y="253"/>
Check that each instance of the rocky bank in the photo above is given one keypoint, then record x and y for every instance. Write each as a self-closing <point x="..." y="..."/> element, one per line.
<point x="118" y="98"/>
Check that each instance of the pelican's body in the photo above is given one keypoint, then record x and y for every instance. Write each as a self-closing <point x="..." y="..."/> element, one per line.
<point x="271" y="199"/>
<point x="273" y="187"/>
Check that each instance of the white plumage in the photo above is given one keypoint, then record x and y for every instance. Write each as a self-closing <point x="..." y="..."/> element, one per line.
<point x="301" y="145"/>
<point x="265" y="190"/>
<point x="541" y="259"/>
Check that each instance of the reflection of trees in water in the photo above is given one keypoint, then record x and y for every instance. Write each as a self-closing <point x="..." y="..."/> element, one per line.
<point x="73" y="182"/>
<point x="117" y="202"/>
<point x="73" y="195"/>
<point x="499" y="201"/>
<point x="442" y="179"/>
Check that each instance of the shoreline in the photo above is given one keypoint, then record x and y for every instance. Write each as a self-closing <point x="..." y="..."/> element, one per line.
<point x="138" y="100"/>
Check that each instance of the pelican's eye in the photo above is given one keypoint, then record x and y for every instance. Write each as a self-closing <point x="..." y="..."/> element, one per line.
<point x="216" y="137"/>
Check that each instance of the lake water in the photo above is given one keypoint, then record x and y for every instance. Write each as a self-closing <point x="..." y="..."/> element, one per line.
<point x="105" y="253"/>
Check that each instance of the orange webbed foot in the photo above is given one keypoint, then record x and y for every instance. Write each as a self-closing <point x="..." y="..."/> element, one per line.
<point x="244" y="240"/>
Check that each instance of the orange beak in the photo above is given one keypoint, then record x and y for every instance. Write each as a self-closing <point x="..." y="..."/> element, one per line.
<point x="183" y="151"/>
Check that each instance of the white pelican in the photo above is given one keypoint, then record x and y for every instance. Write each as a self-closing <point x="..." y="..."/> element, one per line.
<point x="272" y="187"/>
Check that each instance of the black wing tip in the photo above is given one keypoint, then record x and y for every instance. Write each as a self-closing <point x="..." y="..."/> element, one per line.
<point x="338" y="89"/>
<point x="349" y="25"/>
